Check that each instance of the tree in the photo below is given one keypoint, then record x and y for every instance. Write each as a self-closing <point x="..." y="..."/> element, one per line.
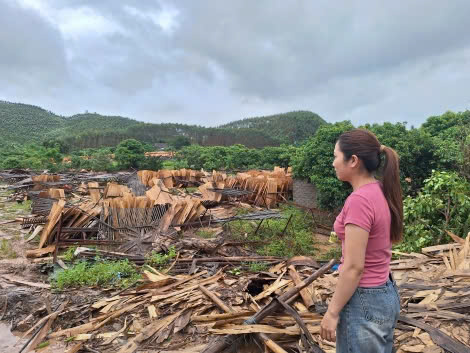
<point x="129" y="154"/>
<point x="442" y="204"/>
<point x="179" y="142"/>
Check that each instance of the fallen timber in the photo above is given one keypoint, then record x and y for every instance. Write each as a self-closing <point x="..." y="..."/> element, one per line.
<point x="223" y="343"/>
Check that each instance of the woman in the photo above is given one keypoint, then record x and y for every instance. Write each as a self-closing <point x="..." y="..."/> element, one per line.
<point x="364" y="309"/>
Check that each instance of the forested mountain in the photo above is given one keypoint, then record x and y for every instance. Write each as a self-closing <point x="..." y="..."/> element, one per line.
<point x="26" y="123"/>
<point x="291" y="127"/>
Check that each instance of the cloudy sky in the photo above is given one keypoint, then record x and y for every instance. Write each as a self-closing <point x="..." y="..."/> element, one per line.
<point x="208" y="62"/>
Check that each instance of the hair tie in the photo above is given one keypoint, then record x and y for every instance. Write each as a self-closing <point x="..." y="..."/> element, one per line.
<point x="382" y="148"/>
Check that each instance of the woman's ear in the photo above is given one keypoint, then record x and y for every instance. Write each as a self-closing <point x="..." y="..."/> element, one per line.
<point x="354" y="161"/>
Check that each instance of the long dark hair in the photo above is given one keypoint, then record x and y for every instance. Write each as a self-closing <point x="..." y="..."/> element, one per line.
<point x="365" y="145"/>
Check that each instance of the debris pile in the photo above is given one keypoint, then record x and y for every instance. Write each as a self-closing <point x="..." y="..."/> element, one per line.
<point x="208" y="307"/>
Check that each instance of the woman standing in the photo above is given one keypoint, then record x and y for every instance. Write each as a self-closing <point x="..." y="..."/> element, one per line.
<point x="364" y="309"/>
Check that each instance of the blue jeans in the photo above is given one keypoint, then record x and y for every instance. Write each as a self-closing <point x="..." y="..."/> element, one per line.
<point x="368" y="320"/>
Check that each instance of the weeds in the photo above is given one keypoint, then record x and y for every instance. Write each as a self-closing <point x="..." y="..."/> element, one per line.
<point x="69" y="254"/>
<point x="21" y="206"/>
<point x="257" y="267"/>
<point x="297" y="239"/>
<point x="158" y="260"/>
<point x="113" y="273"/>
<point x="205" y="233"/>
<point x="6" y="251"/>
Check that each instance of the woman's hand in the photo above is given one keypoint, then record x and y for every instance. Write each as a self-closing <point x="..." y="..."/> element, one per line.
<point x="328" y="326"/>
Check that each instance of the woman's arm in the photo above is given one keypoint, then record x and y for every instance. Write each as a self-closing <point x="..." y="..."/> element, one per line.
<point x="350" y="275"/>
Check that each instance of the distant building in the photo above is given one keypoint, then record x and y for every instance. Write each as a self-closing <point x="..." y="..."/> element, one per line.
<point x="160" y="146"/>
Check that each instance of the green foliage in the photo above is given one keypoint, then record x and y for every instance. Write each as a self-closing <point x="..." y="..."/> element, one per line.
<point x="442" y="204"/>
<point x="6" y="251"/>
<point x="23" y="123"/>
<point x="179" y="142"/>
<point x="42" y="345"/>
<point x="416" y="149"/>
<point x="21" y="206"/>
<point x="236" y="157"/>
<point x="451" y="135"/>
<point x="297" y="239"/>
<point x="292" y="127"/>
<point x="205" y="233"/>
<point x="130" y="154"/>
<point x="257" y="267"/>
<point x="151" y="163"/>
<point x="69" y="254"/>
<point x="103" y="273"/>
<point x="158" y="260"/>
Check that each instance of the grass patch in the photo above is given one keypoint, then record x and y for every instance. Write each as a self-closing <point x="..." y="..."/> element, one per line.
<point x="297" y="240"/>
<point x="205" y="233"/>
<point x="103" y="273"/>
<point x="6" y="251"/>
<point x="21" y="206"/>
<point x="257" y="267"/>
<point x="158" y="260"/>
<point x="191" y="189"/>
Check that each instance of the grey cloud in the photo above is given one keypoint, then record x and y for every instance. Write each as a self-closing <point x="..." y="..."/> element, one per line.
<point x="32" y="57"/>
<point x="365" y="61"/>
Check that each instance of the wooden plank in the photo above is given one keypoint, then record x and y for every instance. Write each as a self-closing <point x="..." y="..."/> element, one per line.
<point x="19" y="280"/>
<point x="304" y="293"/>
<point x="53" y="218"/>
<point x="40" y="252"/>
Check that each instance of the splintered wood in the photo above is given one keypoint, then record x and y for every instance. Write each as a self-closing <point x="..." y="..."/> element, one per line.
<point x="190" y="308"/>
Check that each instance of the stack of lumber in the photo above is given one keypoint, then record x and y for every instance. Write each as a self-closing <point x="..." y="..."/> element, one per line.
<point x="171" y="178"/>
<point x="269" y="187"/>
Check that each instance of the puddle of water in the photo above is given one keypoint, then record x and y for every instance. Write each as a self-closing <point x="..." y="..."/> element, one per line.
<point x="9" y="342"/>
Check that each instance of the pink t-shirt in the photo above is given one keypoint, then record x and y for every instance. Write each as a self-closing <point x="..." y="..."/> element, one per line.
<point x="367" y="208"/>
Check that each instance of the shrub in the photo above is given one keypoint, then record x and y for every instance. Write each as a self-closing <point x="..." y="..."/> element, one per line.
<point x="443" y="204"/>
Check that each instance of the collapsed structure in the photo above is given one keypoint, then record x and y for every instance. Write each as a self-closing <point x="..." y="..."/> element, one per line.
<point x="201" y="301"/>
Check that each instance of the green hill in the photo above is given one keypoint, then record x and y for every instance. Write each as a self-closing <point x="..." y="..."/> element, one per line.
<point x="22" y="123"/>
<point x="26" y="123"/>
<point x="292" y="127"/>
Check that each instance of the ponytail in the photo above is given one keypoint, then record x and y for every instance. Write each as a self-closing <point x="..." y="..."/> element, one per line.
<point x="393" y="193"/>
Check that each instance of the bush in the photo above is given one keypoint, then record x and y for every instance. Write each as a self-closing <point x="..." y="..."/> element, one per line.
<point x="443" y="204"/>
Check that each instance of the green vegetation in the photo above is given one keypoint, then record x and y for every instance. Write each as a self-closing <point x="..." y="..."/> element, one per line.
<point x="6" y="251"/>
<point x="289" y="128"/>
<point x="21" y="206"/>
<point x="205" y="233"/>
<point x="236" y="157"/>
<point x="42" y="345"/>
<point x="100" y="273"/>
<point x="69" y="253"/>
<point x="158" y="260"/>
<point x="297" y="239"/>
<point x="22" y="123"/>
<point x="442" y="204"/>
<point x="257" y="267"/>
